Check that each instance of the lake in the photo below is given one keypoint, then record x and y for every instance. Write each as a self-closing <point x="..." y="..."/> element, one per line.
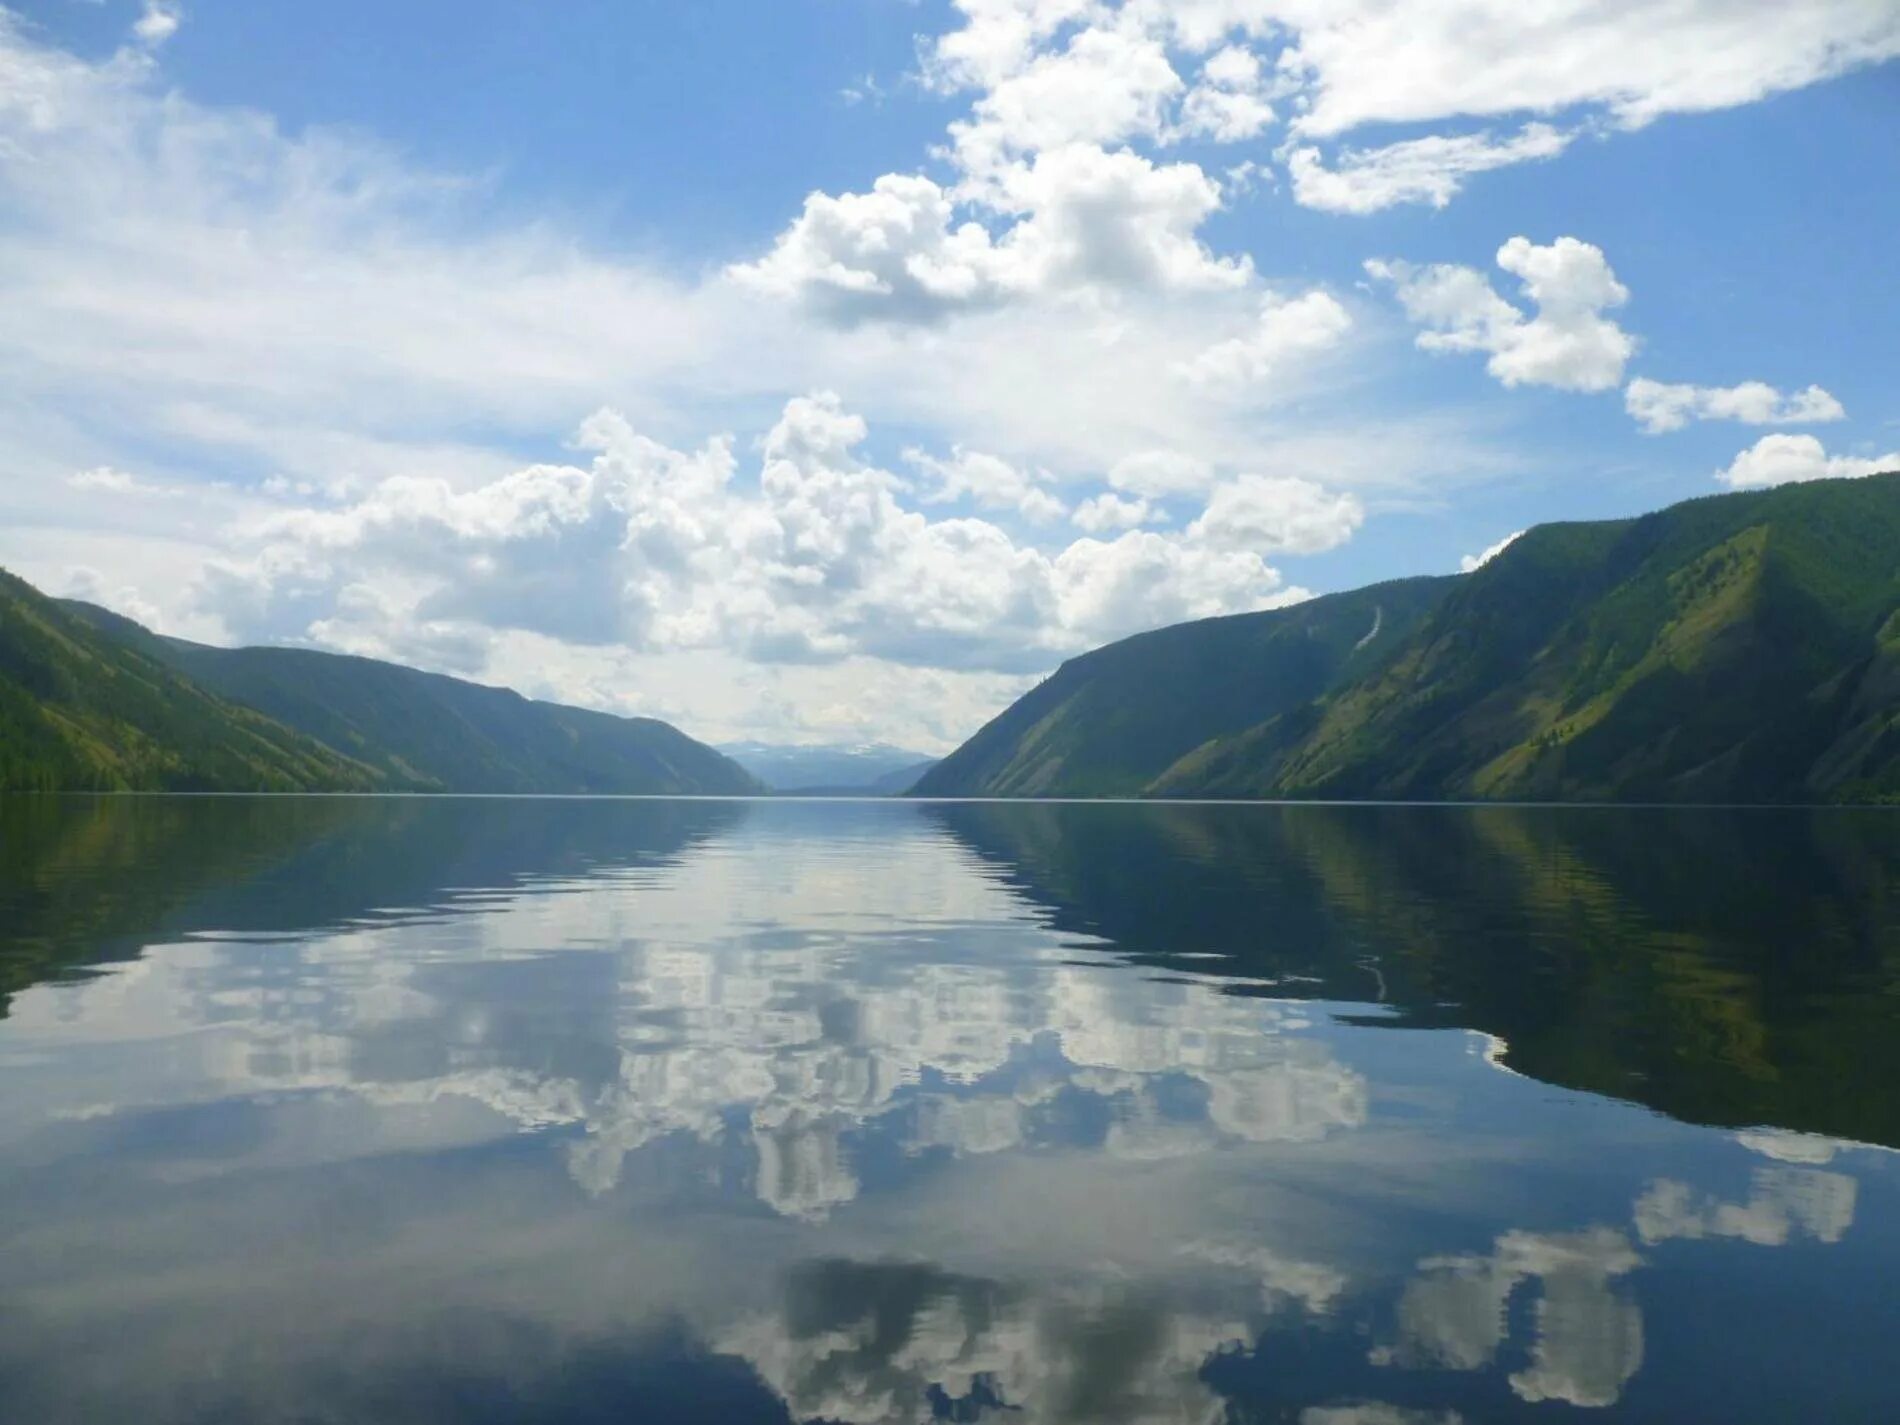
<point x="483" y="1110"/>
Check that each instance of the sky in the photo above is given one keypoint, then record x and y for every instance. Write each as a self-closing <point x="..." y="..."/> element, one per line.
<point x="830" y="370"/>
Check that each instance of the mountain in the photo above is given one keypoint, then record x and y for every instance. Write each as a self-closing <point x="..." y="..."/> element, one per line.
<point x="414" y="731"/>
<point x="867" y="768"/>
<point x="1108" y="723"/>
<point x="83" y="711"/>
<point x="1735" y="648"/>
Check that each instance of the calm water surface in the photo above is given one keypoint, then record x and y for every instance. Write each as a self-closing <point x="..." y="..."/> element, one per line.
<point x="327" y="1110"/>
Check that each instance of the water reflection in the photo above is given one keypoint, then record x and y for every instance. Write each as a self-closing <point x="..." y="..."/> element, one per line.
<point x="1782" y="1203"/>
<point x="872" y="1342"/>
<point x="1738" y="967"/>
<point x="1586" y="1337"/>
<point x="470" y="1110"/>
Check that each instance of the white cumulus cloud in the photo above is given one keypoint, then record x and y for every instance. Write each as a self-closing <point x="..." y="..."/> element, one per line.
<point x="893" y="251"/>
<point x="989" y="481"/>
<point x="1077" y="220"/>
<point x="1568" y="342"/>
<point x="1111" y="511"/>
<point x="1229" y="102"/>
<point x="1784" y="459"/>
<point x="1286" y="330"/>
<point x="1108" y="84"/>
<point x="1659" y="406"/>
<point x="651" y="548"/>
<point x="1056" y="71"/>
<point x="1278" y="514"/>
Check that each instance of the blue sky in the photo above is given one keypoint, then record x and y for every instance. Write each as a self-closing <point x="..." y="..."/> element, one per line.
<point x="832" y="368"/>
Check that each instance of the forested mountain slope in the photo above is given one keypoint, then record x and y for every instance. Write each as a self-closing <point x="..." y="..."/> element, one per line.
<point x="1109" y="722"/>
<point x="427" y="732"/>
<point x="1735" y="648"/>
<point x="83" y="711"/>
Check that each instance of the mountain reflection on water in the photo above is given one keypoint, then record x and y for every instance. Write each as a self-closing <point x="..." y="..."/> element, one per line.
<point x="332" y="1109"/>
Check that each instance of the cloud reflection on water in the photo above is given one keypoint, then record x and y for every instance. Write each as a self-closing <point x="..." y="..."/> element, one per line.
<point x="834" y="1098"/>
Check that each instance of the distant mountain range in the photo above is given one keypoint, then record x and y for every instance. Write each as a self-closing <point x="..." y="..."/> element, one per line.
<point x="1737" y="648"/>
<point x="832" y="769"/>
<point x="90" y="700"/>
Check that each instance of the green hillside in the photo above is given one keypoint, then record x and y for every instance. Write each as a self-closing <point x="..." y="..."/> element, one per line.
<point x="1107" y="723"/>
<point x="81" y="711"/>
<point x="1736" y="648"/>
<point x="426" y="732"/>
